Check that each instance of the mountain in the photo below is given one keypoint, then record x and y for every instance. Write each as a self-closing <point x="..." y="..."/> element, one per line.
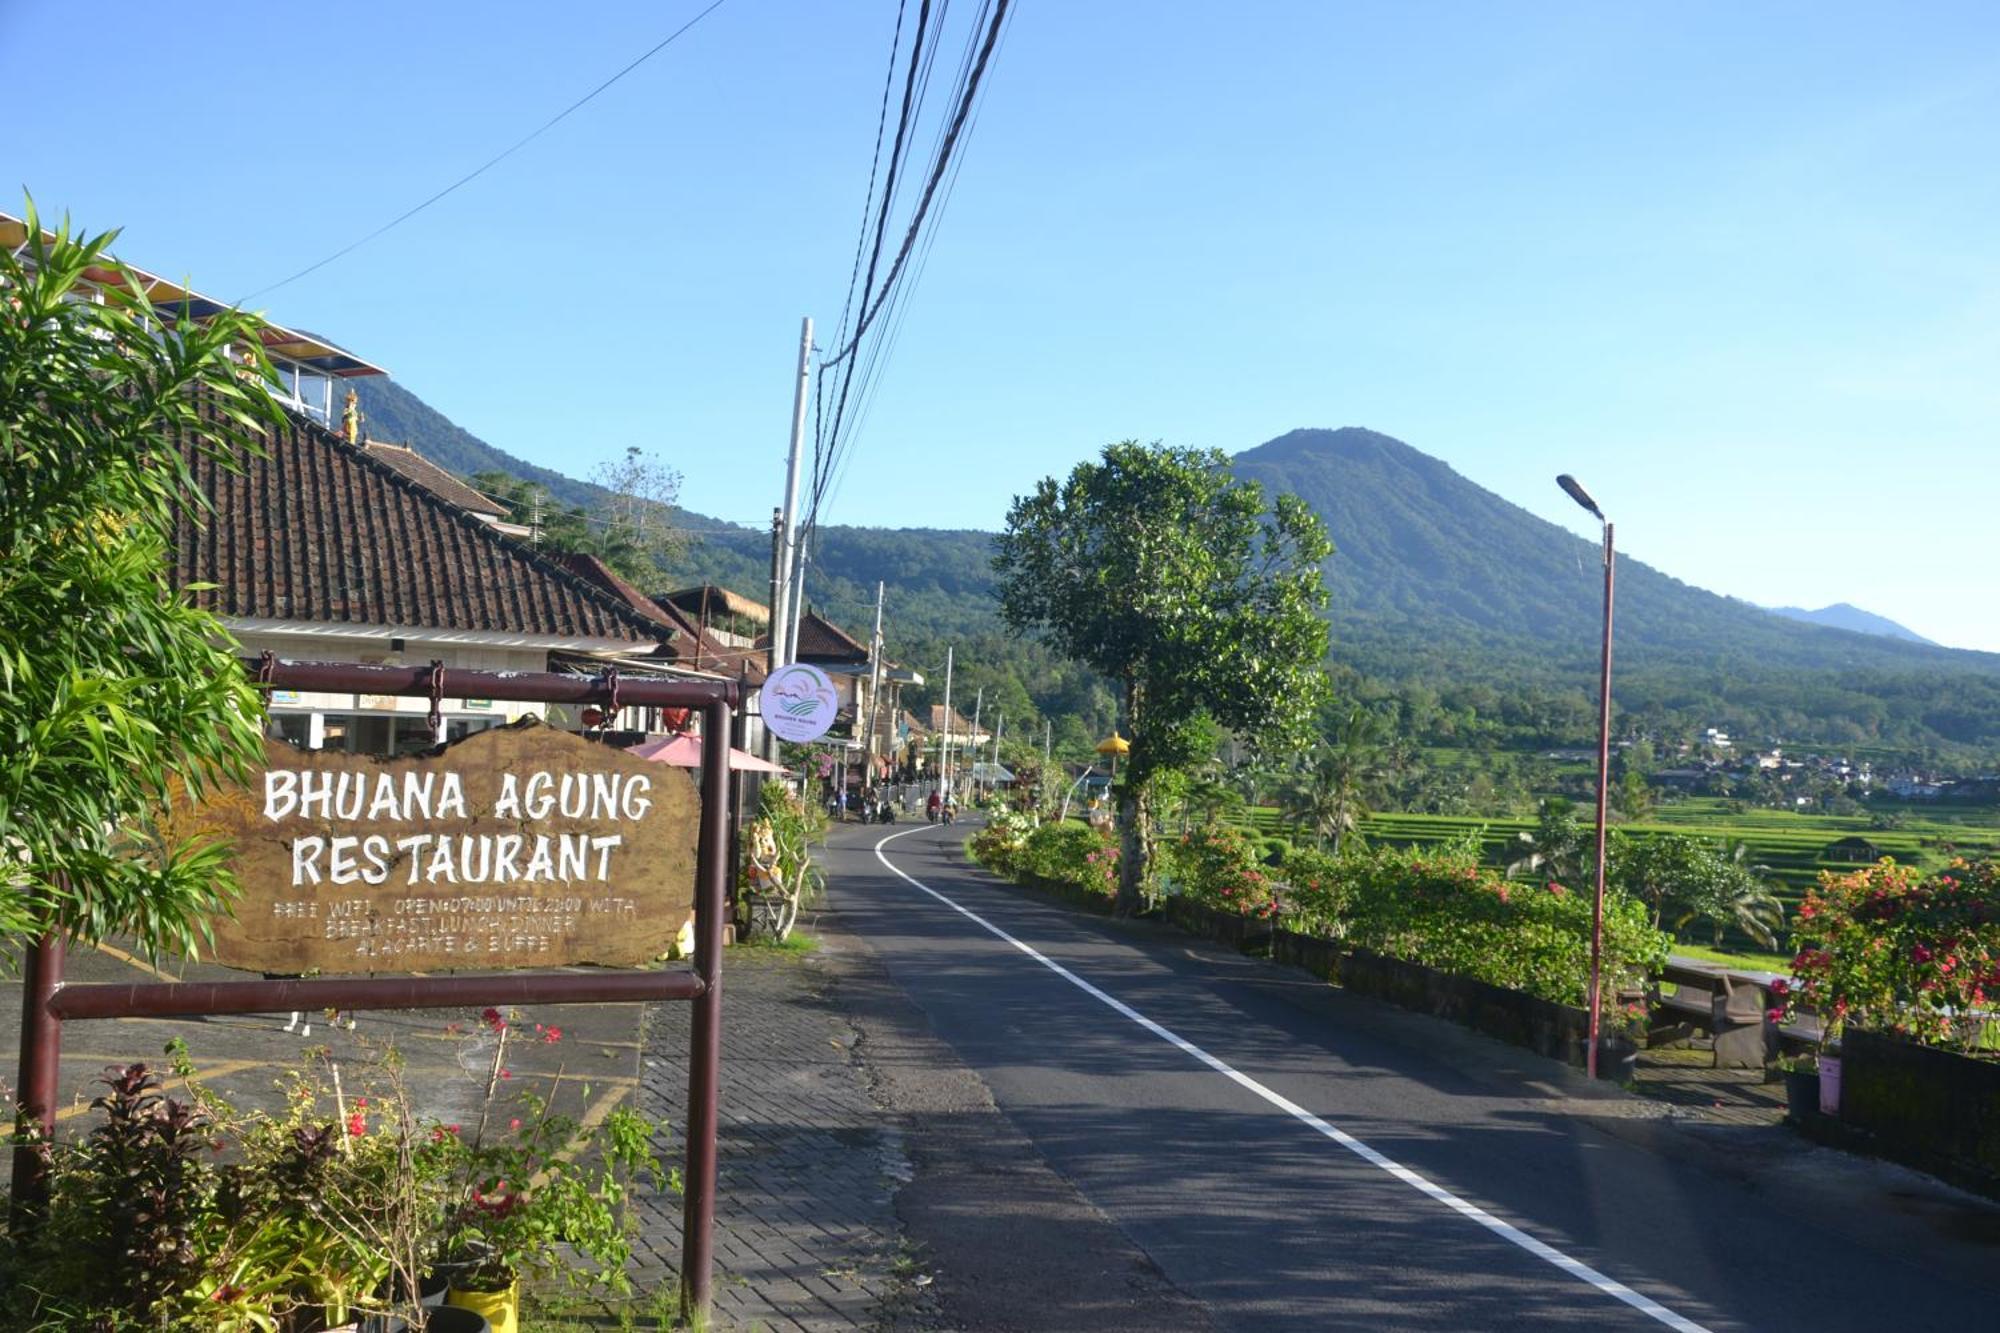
<point x="394" y="415"/>
<point x="1438" y="580"/>
<point x="1842" y="615"/>
<point x="1463" y="608"/>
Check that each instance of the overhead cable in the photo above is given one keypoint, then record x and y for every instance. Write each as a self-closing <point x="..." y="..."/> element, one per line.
<point x="493" y="161"/>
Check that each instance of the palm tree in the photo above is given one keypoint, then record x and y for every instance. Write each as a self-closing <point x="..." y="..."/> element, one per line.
<point x="1742" y="898"/>
<point x="1556" y="849"/>
<point x="1329" y="794"/>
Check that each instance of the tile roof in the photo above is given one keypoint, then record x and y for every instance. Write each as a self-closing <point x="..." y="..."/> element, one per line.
<point x="693" y="647"/>
<point x="820" y="640"/>
<point x="712" y="599"/>
<point x="428" y="474"/>
<point x="318" y="530"/>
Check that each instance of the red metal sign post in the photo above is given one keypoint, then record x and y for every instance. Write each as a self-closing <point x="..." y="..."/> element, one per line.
<point x="47" y="1002"/>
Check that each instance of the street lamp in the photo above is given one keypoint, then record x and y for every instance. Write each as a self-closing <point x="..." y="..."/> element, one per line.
<point x="1575" y="491"/>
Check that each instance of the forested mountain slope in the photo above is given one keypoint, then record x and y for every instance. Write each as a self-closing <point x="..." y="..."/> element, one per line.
<point x="1440" y="589"/>
<point x="1439" y="580"/>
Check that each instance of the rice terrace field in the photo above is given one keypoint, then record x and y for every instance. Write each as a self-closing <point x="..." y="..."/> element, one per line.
<point x="1793" y="846"/>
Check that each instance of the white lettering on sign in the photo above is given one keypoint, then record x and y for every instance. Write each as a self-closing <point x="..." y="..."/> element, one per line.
<point x="445" y="858"/>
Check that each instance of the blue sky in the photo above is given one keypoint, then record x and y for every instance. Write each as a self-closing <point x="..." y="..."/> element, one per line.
<point x="1736" y="266"/>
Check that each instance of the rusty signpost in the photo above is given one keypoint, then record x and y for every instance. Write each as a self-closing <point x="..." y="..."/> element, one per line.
<point x="363" y="879"/>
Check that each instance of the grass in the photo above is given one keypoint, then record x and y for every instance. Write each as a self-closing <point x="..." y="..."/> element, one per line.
<point x="1754" y="962"/>
<point x="796" y="942"/>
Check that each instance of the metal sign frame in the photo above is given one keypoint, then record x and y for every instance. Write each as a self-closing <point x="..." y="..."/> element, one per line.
<point x="48" y="1001"/>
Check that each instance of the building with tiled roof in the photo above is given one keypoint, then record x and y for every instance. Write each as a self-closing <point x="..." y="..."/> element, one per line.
<point x="321" y="551"/>
<point x="429" y="475"/>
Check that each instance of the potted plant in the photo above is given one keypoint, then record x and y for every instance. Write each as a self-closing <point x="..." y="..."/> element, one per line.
<point x="1801" y="1076"/>
<point x="531" y="1192"/>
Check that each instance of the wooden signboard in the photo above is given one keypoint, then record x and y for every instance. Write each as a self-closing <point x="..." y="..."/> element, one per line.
<point x="521" y="846"/>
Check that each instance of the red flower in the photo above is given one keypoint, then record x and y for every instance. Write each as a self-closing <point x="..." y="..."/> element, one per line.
<point x="552" y="1035"/>
<point x="1781" y="987"/>
<point x="514" y="1125"/>
<point x="1557" y="889"/>
<point x="357" y="1125"/>
<point x="1919" y="954"/>
<point x="493" y="1019"/>
<point x="1775" y="1015"/>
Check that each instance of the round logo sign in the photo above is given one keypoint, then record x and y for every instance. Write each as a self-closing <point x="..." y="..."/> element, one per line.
<point x="798" y="702"/>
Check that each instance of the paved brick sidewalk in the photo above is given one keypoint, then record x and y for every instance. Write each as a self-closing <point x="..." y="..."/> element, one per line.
<point x="807" y="1236"/>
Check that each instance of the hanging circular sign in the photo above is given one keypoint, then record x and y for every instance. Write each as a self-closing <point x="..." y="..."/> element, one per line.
<point x="798" y="702"/>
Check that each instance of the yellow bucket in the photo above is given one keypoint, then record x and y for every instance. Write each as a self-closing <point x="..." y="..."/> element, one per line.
<point x="501" y="1308"/>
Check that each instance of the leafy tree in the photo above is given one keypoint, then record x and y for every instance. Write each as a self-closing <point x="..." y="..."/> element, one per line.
<point x="115" y="691"/>
<point x="1633" y="796"/>
<point x="1559" y="849"/>
<point x="1161" y="571"/>
<point x="631" y="530"/>
<point x="1682" y="879"/>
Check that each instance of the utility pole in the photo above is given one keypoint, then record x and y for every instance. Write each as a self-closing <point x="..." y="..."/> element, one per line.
<point x="944" y="738"/>
<point x="972" y="741"/>
<point x="784" y="642"/>
<point x="1048" y="754"/>
<point x="775" y="650"/>
<point x="999" y="730"/>
<point x="874" y="697"/>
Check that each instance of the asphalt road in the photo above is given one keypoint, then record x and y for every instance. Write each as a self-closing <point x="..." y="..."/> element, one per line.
<point x="1293" y="1158"/>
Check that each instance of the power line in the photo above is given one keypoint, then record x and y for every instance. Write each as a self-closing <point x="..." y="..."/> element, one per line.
<point x="830" y="445"/>
<point x="494" y="161"/>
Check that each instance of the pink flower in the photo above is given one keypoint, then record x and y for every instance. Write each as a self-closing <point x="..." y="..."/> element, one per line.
<point x="492" y="1019"/>
<point x="357" y="1125"/>
<point x="1919" y="954"/>
<point x="553" y="1035"/>
<point x="1775" y="1015"/>
<point x="1557" y="889"/>
<point x="514" y="1125"/>
<point x="1781" y="987"/>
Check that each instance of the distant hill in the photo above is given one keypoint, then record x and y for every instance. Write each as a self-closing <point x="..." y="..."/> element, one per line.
<point x="1438" y="587"/>
<point x="394" y="415"/>
<point x="1842" y="615"/>
<point x="1422" y="550"/>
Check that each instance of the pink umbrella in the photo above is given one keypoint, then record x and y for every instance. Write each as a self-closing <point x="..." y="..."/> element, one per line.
<point x="685" y="752"/>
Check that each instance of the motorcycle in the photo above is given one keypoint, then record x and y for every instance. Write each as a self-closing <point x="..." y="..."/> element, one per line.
<point x="886" y="815"/>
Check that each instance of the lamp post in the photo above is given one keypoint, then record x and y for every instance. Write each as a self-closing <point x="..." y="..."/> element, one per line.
<point x="1575" y="491"/>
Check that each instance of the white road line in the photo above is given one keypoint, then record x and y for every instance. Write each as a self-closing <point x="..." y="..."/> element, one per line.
<point x="1505" y="1230"/>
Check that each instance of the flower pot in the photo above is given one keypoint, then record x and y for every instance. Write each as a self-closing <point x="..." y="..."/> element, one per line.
<point x="1801" y="1094"/>
<point x="502" y="1309"/>
<point x="449" y="1318"/>
<point x="1829" y="1085"/>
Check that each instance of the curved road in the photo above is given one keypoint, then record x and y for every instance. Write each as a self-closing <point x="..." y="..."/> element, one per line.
<point x="1294" y="1158"/>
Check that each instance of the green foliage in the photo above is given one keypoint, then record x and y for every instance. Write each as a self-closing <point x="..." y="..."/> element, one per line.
<point x="1070" y="852"/>
<point x="115" y="691"/>
<point x="998" y="844"/>
<point x="1892" y="949"/>
<point x="1328" y="792"/>
<point x="1441" y="908"/>
<point x="1157" y="569"/>
<point x="629" y="523"/>
<point x="1219" y="866"/>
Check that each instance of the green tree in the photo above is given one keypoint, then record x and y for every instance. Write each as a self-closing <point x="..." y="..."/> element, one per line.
<point x="1559" y="849"/>
<point x="1330" y="795"/>
<point x="630" y="529"/>
<point x="115" y="690"/>
<point x="1160" y="570"/>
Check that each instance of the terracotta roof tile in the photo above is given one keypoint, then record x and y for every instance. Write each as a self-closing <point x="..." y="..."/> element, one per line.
<point x="434" y="478"/>
<point x="318" y="530"/>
